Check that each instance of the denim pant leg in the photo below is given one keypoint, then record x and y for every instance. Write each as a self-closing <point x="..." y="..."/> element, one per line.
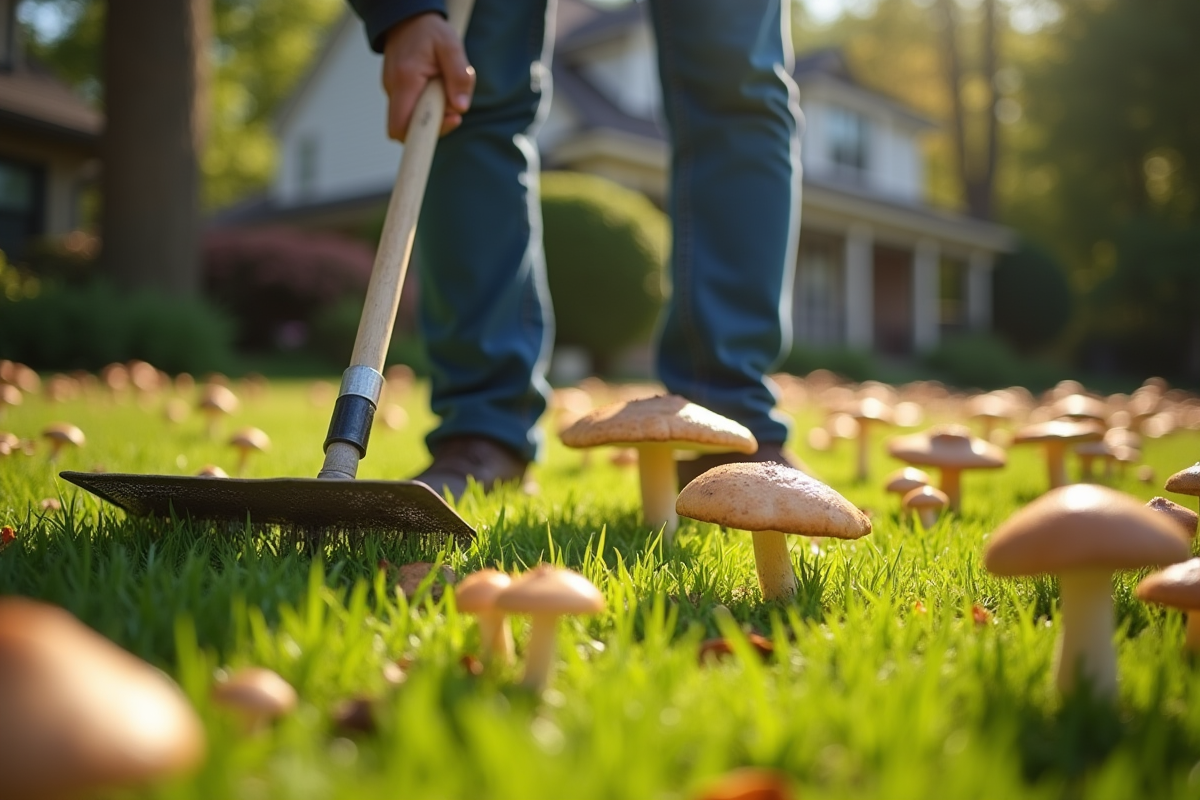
<point x="734" y="118"/>
<point x="484" y="308"/>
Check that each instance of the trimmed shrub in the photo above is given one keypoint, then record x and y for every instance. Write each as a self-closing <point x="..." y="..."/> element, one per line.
<point x="606" y="247"/>
<point x="334" y="330"/>
<point x="855" y="365"/>
<point x="1032" y="298"/>
<point x="275" y="281"/>
<point x="89" y="326"/>
<point x="986" y="362"/>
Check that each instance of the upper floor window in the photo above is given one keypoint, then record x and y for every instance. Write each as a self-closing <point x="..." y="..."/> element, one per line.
<point x="847" y="140"/>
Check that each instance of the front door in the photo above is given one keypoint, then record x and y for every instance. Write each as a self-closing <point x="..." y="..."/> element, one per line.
<point x="893" y="302"/>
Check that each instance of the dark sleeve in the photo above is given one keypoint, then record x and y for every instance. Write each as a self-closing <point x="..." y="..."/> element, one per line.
<point x="380" y="15"/>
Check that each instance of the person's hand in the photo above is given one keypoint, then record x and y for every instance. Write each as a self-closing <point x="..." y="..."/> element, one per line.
<point x="416" y="51"/>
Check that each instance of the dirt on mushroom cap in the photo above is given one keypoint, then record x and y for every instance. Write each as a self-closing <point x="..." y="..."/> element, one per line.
<point x="1083" y="526"/>
<point x="665" y="418"/>
<point x="758" y="496"/>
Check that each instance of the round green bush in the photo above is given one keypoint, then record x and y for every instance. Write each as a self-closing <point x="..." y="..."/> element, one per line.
<point x="606" y="247"/>
<point x="1032" y="298"/>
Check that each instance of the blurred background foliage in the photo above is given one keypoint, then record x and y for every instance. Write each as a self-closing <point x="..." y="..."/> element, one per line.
<point x="1073" y="121"/>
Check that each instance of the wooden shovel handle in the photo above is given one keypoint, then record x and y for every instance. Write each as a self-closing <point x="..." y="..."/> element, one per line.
<point x="400" y="223"/>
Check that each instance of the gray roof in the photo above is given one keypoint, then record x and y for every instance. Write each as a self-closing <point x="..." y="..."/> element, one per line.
<point x="34" y="100"/>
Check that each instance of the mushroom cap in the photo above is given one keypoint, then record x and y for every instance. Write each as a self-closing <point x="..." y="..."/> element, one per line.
<point x="546" y="589"/>
<point x="250" y="439"/>
<point x="950" y="446"/>
<point x="211" y="471"/>
<point x="1122" y="437"/>
<point x="80" y="713"/>
<point x="1184" y="517"/>
<point x="763" y="496"/>
<point x="478" y="591"/>
<point x="64" y="432"/>
<point x="1080" y="406"/>
<point x="1083" y="526"/>
<point x="1097" y="449"/>
<point x="1059" y="430"/>
<point x="1177" y="586"/>
<point x="990" y="406"/>
<point x="905" y="479"/>
<point x="872" y="409"/>
<point x="218" y="398"/>
<point x="926" y="497"/>
<point x="257" y="692"/>
<point x="9" y="395"/>
<point x="664" y="419"/>
<point x="1186" y="481"/>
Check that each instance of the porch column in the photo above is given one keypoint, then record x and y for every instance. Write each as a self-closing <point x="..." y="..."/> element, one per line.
<point x="979" y="290"/>
<point x="860" y="287"/>
<point x="926" y="290"/>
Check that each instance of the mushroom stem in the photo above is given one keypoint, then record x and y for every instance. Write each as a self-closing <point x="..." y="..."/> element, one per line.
<point x="773" y="565"/>
<point x="1085" y="646"/>
<point x="952" y="486"/>
<point x="929" y="517"/>
<point x="495" y="638"/>
<point x="1085" y="468"/>
<point x="660" y="488"/>
<point x="1192" y="637"/>
<point x="539" y="658"/>
<point x="1056" y="464"/>
<point x="864" y="446"/>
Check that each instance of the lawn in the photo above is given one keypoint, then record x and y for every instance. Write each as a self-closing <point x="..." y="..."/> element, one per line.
<point x="901" y="670"/>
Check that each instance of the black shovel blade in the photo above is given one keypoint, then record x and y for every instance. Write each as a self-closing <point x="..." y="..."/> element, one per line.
<point x="392" y="506"/>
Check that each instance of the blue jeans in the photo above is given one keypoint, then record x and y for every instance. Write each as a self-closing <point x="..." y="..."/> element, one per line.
<point x="733" y="118"/>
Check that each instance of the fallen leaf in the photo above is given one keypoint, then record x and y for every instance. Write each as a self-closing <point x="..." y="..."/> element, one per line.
<point x="749" y="783"/>
<point x="980" y="615"/>
<point x="354" y="715"/>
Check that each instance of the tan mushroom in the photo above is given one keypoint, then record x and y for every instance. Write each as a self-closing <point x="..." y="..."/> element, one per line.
<point x="927" y="502"/>
<point x="1185" y="518"/>
<point x="256" y="694"/>
<point x="9" y="396"/>
<point x="952" y="449"/>
<point x="80" y="714"/>
<point x="991" y="409"/>
<point x="477" y="594"/>
<point x="1186" y="481"/>
<point x="60" y="435"/>
<point x="216" y="401"/>
<point x="869" y="413"/>
<point x="1080" y="407"/>
<point x="771" y="501"/>
<point x="657" y="427"/>
<point x="546" y="593"/>
<point x="1082" y="534"/>
<point x="247" y="441"/>
<point x="1055" y="435"/>
<point x="1177" y="586"/>
<point x="905" y="479"/>
<point x="9" y="443"/>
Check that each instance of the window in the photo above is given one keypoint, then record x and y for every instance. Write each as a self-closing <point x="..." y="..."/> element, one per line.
<point x="819" y="298"/>
<point x="848" y="141"/>
<point x="20" y="205"/>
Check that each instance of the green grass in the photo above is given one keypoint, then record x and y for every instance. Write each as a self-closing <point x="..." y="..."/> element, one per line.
<point x="864" y="697"/>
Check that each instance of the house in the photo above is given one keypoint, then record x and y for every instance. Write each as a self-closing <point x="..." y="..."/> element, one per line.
<point x="49" y="141"/>
<point x="877" y="269"/>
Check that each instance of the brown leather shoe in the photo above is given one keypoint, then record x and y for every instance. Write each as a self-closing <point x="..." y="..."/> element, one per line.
<point x="459" y="458"/>
<point x="767" y="451"/>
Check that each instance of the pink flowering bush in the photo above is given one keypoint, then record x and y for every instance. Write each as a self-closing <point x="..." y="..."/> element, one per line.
<point x="276" y="281"/>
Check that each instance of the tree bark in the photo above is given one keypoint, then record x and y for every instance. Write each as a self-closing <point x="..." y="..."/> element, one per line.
<point x="155" y="90"/>
<point x="954" y="86"/>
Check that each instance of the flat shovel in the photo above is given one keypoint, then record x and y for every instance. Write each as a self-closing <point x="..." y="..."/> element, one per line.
<point x="334" y="499"/>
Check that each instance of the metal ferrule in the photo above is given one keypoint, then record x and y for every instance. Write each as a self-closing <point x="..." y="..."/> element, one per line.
<point x="363" y="382"/>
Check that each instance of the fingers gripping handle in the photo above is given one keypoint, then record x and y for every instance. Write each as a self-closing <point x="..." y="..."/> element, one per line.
<point x="346" y="442"/>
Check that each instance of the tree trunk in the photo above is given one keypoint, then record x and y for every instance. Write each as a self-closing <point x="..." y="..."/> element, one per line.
<point x="954" y="86"/>
<point x="154" y="97"/>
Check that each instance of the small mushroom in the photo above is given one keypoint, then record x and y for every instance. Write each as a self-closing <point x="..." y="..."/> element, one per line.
<point x="477" y="594"/>
<point x="216" y="401"/>
<point x="868" y="412"/>
<point x="928" y="502"/>
<point x="1055" y="435"/>
<point x="1177" y="586"/>
<point x="81" y="715"/>
<point x="256" y="694"/>
<point x="1185" y="518"/>
<point x="657" y="427"/>
<point x="952" y="449"/>
<point x="60" y="435"/>
<point x="1186" y="481"/>
<point x="9" y="396"/>
<point x="211" y="471"/>
<point x="1082" y="534"/>
<point x="9" y="443"/>
<point x="990" y="409"/>
<point x="546" y="593"/>
<point x="905" y="479"/>
<point x="247" y="441"/>
<point x="771" y="501"/>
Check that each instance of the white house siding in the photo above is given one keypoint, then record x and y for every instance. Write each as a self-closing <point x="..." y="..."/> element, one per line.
<point x="341" y="118"/>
